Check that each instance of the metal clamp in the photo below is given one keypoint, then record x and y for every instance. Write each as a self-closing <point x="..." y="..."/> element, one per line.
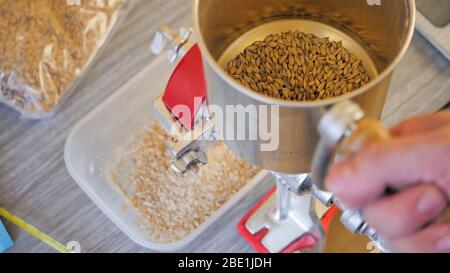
<point x="178" y="42"/>
<point x="186" y="147"/>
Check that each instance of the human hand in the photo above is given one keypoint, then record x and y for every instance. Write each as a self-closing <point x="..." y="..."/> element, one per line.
<point x="416" y="164"/>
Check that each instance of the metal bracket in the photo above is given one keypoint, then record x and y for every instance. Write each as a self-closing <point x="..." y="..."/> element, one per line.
<point x="288" y="216"/>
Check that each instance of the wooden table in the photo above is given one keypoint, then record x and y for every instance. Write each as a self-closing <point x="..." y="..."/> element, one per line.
<point x="34" y="182"/>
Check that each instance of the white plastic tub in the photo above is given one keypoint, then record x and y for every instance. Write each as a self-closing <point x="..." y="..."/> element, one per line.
<point x="102" y="136"/>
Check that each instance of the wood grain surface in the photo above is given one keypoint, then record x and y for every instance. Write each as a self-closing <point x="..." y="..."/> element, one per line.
<point x="34" y="182"/>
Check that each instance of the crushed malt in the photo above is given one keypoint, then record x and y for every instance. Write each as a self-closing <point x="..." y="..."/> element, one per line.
<point x="174" y="205"/>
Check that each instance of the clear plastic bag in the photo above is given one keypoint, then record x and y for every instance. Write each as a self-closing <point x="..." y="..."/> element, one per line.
<point x="46" y="47"/>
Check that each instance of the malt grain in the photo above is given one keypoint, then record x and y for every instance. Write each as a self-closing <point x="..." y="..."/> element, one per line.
<point x="298" y="67"/>
<point x="45" y="45"/>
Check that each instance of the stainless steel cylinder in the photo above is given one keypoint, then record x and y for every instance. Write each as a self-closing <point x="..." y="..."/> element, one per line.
<point x="377" y="34"/>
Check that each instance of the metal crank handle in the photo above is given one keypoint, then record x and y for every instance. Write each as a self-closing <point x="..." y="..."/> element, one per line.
<point x="344" y="131"/>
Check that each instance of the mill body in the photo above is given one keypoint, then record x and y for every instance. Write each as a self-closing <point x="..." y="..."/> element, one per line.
<point x="377" y="34"/>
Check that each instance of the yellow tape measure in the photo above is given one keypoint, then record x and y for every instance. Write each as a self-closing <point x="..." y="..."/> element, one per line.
<point x="32" y="230"/>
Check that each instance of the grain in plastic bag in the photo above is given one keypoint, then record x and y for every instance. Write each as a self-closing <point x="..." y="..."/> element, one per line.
<point x="46" y="47"/>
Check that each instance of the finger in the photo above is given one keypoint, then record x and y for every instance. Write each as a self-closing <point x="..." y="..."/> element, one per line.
<point x="422" y="124"/>
<point x="398" y="163"/>
<point x="406" y="212"/>
<point x="435" y="238"/>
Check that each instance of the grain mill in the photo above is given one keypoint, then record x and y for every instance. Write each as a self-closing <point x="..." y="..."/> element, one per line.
<point x="309" y="134"/>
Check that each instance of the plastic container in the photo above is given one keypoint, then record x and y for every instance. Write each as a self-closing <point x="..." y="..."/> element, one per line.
<point x="102" y="136"/>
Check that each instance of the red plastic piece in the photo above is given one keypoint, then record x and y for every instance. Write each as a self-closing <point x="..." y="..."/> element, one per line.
<point x="327" y="218"/>
<point x="305" y="242"/>
<point x="255" y="240"/>
<point x="186" y="83"/>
